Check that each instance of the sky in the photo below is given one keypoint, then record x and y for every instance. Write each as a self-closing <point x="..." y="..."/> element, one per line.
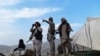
<point x="17" y="16"/>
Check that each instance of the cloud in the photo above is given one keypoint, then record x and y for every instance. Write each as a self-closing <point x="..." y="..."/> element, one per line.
<point x="38" y="0"/>
<point x="11" y="15"/>
<point x="9" y="2"/>
<point x="76" y="25"/>
<point x="8" y="33"/>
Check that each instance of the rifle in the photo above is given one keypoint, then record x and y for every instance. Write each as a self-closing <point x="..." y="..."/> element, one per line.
<point x="32" y="32"/>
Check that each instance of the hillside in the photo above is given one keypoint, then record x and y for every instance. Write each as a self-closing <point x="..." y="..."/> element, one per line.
<point x="4" y="48"/>
<point x="45" y="47"/>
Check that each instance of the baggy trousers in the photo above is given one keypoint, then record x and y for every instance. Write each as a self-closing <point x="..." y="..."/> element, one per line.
<point x="66" y="45"/>
<point x="37" y="46"/>
<point x="51" y="41"/>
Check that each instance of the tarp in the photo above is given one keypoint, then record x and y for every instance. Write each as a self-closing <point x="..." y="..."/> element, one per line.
<point x="89" y="34"/>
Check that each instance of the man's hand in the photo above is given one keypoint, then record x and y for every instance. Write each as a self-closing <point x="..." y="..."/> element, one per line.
<point x="33" y="25"/>
<point x="43" y="20"/>
<point x="57" y="32"/>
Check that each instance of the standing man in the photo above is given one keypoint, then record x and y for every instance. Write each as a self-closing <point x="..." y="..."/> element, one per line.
<point x="37" y="37"/>
<point x="51" y="35"/>
<point x="64" y="31"/>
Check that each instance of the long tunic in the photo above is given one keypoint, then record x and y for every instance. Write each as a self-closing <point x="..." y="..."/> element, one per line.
<point x="64" y="35"/>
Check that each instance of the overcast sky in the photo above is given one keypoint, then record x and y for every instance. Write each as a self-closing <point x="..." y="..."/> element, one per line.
<point x="17" y="16"/>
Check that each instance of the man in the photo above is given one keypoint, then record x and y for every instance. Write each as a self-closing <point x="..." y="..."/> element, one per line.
<point x="37" y="35"/>
<point x="64" y="31"/>
<point x="21" y="47"/>
<point x="51" y="35"/>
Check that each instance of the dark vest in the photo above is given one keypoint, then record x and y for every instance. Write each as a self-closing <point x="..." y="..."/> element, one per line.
<point x="38" y="35"/>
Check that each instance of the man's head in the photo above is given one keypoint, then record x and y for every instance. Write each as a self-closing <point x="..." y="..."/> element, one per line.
<point x="51" y="19"/>
<point x="21" y="41"/>
<point x="37" y="24"/>
<point x="63" y="20"/>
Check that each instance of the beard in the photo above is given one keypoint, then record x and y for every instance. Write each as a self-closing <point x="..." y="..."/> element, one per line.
<point x="64" y="22"/>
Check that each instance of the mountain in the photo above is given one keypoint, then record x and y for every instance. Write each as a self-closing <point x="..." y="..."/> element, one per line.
<point x="45" y="47"/>
<point x="4" y="48"/>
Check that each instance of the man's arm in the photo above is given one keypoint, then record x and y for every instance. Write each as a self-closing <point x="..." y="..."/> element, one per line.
<point x="58" y="30"/>
<point x="47" y="21"/>
<point x="70" y="29"/>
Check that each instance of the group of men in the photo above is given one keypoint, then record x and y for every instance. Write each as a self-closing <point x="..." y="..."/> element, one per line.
<point x="64" y="30"/>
